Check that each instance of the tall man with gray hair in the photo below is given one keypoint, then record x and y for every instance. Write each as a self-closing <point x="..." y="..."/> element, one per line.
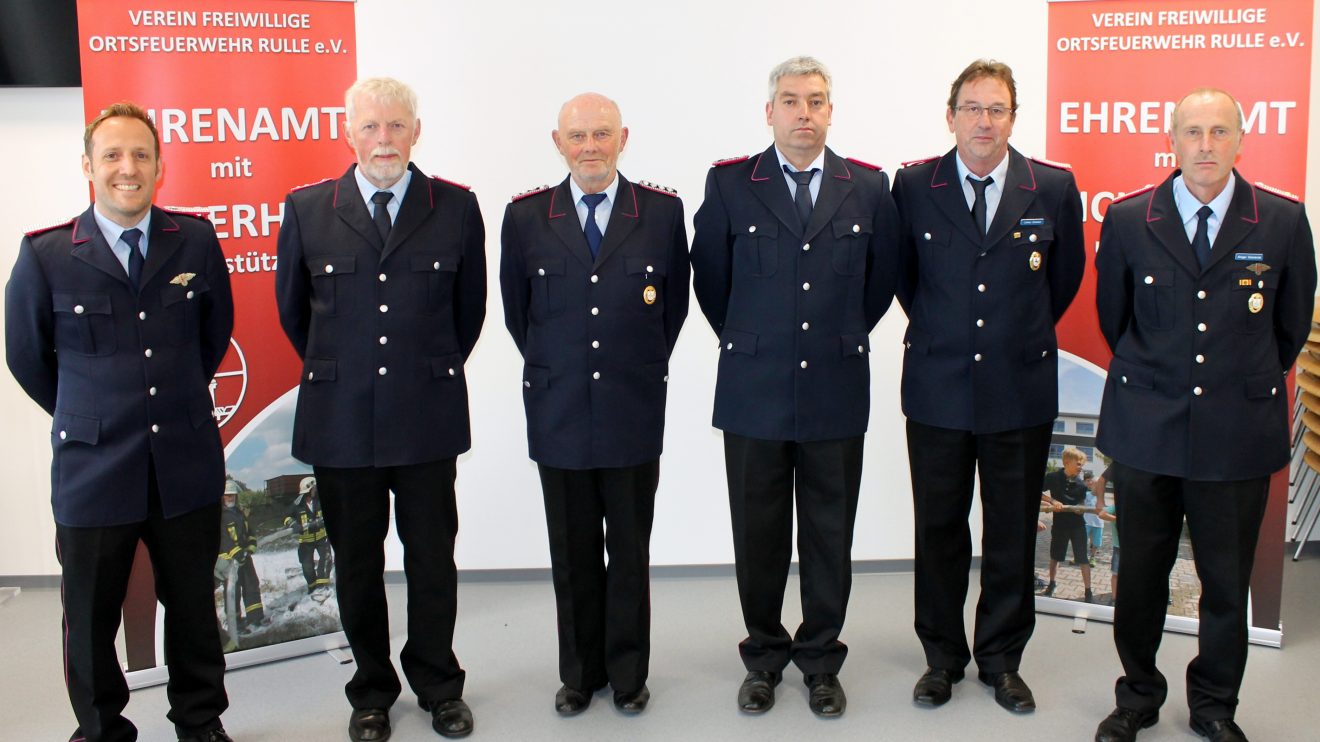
<point x="381" y="287"/>
<point x="794" y="261"/>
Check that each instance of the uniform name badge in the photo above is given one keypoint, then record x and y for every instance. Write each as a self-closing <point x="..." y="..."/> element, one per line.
<point x="648" y="295"/>
<point x="1035" y="260"/>
<point x="1256" y="302"/>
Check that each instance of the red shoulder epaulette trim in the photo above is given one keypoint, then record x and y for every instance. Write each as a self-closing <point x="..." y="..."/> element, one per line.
<point x="51" y="228"/>
<point x="1051" y="163"/>
<point x="1279" y="192"/>
<point x="664" y="190"/>
<point x="731" y="161"/>
<point x="1130" y="194"/>
<point x="529" y="192"/>
<point x="864" y="164"/>
<point x="910" y="163"/>
<point x="454" y="183"/>
<point x="178" y="211"/>
<point x="309" y="185"/>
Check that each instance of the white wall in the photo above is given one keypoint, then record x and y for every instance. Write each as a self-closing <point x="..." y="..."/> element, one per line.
<point x="690" y="77"/>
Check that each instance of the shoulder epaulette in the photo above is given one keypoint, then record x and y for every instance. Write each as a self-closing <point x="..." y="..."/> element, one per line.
<point x="731" y="161"/>
<point x="529" y="192"/>
<point x="666" y="190"/>
<point x="1279" y="192"/>
<point x="185" y="211"/>
<point x="1051" y="163"/>
<point x="866" y="165"/>
<point x="309" y="185"/>
<point x="454" y="183"/>
<point x="1130" y="194"/>
<point x="910" y="163"/>
<point x="51" y="228"/>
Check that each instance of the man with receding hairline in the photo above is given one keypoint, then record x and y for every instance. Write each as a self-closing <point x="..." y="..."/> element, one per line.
<point x="1204" y="291"/>
<point x="594" y="274"/>
<point x="381" y="286"/>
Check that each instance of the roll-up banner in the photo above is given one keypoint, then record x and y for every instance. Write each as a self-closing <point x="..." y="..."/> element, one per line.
<point x="248" y="96"/>
<point x="1116" y="70"/>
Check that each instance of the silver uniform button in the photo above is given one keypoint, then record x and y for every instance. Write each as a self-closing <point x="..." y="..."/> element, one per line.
<point x="329" y="268"/>
<point x="152" y="391"/>
<point x="595" y="279"/>
<point x="860" y="349"/>
<point x="857" y="228"/>
<point x="540" y="271"/>
<point x="806" y="325"/>
<point x="927" y="236"/>
<point x="311" y="375"/>
<point x="806" y="286"/>
<point x="1196" y="390"/>
<point x="142" y="315"/>
<point x="384" y="339"/>
<point x="527" y="384"/>
<point x="595" y="375"/>
<point x="79" y="309"/>
<point x="1200" y="294"/>
<point x="804" y="364"/>
<point x="435" y="266"/>
<point x="752" y="228"/>
<point x="1274" y="390"/>
<point x="451" y="372"/>
<point x="64" y="434"/>
<point x="381" y="371"/>
<point x="595" y="311"/>
<point x="1150" y="280"/>
<point x="1044" y="353"/>
<point x="147" y="352"/>
<point x="729" y="346"/>
<point x="1200" y="358"/>
<point x="980" y="323"/>
<point x="980" y="287"/>
<point x="384" y="307"/>
<point x="1032" y="238"/>
<point x="155" y="428"/>
<point x="595" y="343"/>
<point x="1124" y="378"/>
<point x="1201" y="327"/>
<point x="976" y="357"/>
<point x="649" y="269"/>
<point x="189" y="295"/>
<point x="666" y="377"/>
<point x="382" y="277"/>
<point x="806" y="247"/>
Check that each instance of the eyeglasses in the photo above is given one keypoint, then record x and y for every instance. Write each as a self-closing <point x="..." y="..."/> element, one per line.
<point x="974" y="111"/>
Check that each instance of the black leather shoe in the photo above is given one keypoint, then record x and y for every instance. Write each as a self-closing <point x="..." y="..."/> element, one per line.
<point x="215" y="735"/>
<point x="1123" y="724"/>
<point x="1011" y="691"/>
<point x="756" y="695"/>
<point x="825" y="695"/>
<point x="935" y="686"/>
<point x="1219" y="730"/>
<point x="369" y="725"/>
<point x="571" y="701"/>
<point x="633" y="702"/>
<point x="451" y="718"/>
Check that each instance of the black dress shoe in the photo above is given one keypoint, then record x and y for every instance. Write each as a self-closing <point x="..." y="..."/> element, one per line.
<point x="757" y="693"/>
<point x="451" y="718"/>
<point x="1011" y="691"/>
<point x="632" y="702"/>
<point x="825" y="695"/>
<point x="369" y="725"/>
<point x="571" y="701"/>
<point x="215" y="735"/>
<point x="1123" y="724"/>
<point x="1219" y="730"/>
<point x="935" y="686"/>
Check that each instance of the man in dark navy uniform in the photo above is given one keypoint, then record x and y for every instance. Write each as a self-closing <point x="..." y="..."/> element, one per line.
<point x="115" y="323"/>
<point x="1204" y="292"/>
<point x="794" y="261"/>
<point x="993" y="254"/>
<point x="381" y="288"/>
<point x="594" y="274"/>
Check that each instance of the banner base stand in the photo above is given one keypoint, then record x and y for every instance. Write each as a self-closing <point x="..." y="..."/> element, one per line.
<point x="339" y="655"/>
<point x="9" y="592"/>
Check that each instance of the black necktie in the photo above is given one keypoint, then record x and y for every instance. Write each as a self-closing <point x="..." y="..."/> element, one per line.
<point x="382" y="214"/>
<point x="592" y="200"/>
<point x="1201" y="242"/>
<point x="802" y="198"/>
<point x="978" y="204"/>
<point x="132" y="237"/>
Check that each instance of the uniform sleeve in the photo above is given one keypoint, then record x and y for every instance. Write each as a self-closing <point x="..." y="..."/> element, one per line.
<point x="882" y="259"/>
<point x="1068" y="262"/>
<point x="514" y="287"/>
<point x="30" y="329"/>
<point x="1296" y="294"/>
<point x="1113" y="289"/>
<point x="470" y="284"/>
<point x="677" y="293"/>
<point x="712" y="255"/>
<point x="907" y="268"/>
<point x="293" y="289"/>
<point x="217" y="312"/>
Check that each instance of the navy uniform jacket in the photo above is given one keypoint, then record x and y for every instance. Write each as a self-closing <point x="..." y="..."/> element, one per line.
<point x="595" y="335"/>
<point x="981" y="354"/>
<point x="793" y="307"/>
<point x="383" y="330"/>
<point x="1196" y="388"/>
<point x="124" y="374"/>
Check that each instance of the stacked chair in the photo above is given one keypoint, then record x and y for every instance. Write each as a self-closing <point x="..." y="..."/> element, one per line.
<point x="1305" y="479"/>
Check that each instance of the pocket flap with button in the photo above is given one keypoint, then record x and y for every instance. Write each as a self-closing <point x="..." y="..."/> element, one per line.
<point x="332" y="265"/>
<point x="316" y="370"/>
<point x="174" y="293"/>
<point x="1034" y="352"/>
<point x="80" y="303"/>
<point x="536" y="377"/>
<point x="1128" y="374"/>
<point x="657" y="371"/>
<point x="69" y="428"/>
<point x="737" y="341"/>
<point x="545" y="267"/>
<point x="1264" y="385"/>
<point x="1155" y="277"/>
<point x="636" y="265"/>
<point x="447" y="367"/>
<point x="855" y="344"/>
<point x="1032" y="235"/>
<point x="851" y="227"/>
<point x="199" y="411"/>
<point x="767" y="229"/>
<point x="915" y="342"/>
<point x="1247" y="281"/>
<point x="432" y="263"/>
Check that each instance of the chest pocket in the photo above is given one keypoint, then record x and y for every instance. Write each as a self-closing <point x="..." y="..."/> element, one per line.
<point x="549" y="293"/>
<point x="331" y="276"/>
<point x="756" y="249"/>
<point x="1253" y="300"/>
<point x="852" y="237"/>
<point x="84" y="324"/>
<point x="179" y="309"/>
<point x="1033" y="244"/>
<point x="1153" y="297"/>
<point x="433" y="281"/>
<point x="646" y="279"/>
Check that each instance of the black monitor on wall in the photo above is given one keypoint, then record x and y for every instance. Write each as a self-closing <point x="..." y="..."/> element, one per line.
<point x="39" y="43"/>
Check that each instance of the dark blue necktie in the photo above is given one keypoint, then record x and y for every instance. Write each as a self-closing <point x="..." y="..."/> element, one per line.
<point x="1201" y="242"/>
<point x="382" y="215"/>
<point x="132" y="237"/>
<point x="802" y="196"/>
<point x="978" y="203"/>
<point x="592" y="200"/>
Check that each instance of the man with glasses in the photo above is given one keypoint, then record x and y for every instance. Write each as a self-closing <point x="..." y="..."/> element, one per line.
<point x="992" y="254"/>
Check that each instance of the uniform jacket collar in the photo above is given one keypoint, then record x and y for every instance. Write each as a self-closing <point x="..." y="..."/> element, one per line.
<point x="624" y="216"/>
<point x="1163" y="220"/>
<point x="767" y="182"/>
<point x="89" y="245"/>
<point x="1019" y="193"/>
<point x="418" y="203"/>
